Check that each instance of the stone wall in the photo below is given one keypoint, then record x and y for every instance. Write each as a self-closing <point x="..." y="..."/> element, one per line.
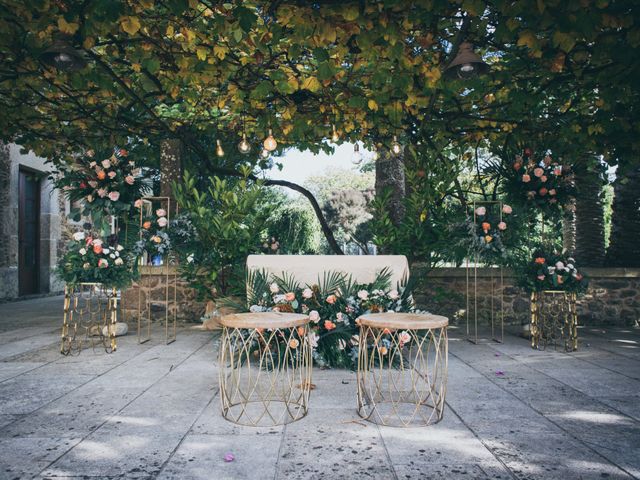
<point x="152" y="285"/>
<point x="11" y="161"/>
<point x="613" y="297"/>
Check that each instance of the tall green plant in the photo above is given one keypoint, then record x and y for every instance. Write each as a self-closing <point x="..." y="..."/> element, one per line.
<point x="225" y="225"/>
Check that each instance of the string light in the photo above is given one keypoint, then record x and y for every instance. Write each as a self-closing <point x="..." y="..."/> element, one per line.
<point x="334" y="134"/>
<point x="356" y="159"/>
<point x="244" y="146"/>
<point x="219" y="150"/>
<point x="270" y="143"/>
<point x="396" y="148"/>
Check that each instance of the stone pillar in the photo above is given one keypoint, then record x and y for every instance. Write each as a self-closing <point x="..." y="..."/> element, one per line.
<point x="170" y="165"/>
<point x="6" y="208"/>
<point x="390" y="175"/>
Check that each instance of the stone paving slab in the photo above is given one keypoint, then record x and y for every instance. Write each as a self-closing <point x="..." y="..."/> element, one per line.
<point x="152" y="411"/>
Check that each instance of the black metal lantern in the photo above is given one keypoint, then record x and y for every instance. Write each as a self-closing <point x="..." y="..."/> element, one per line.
<point x="62" y="56"/>
<point x="467" y="63"/>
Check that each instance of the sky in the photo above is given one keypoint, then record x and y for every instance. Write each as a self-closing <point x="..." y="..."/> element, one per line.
<point x="298" y="166"/>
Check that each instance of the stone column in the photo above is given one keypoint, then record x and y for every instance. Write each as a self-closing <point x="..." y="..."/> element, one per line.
<point x="170" y="165"/>
<point x="7" y="226"/>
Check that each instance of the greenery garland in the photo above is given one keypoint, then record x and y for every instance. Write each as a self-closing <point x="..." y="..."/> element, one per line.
<point x="333" y="305"/>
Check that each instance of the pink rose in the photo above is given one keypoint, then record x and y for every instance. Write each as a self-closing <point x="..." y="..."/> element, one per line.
<point x="161" y="212"/>
<point x="307" y="293"/>
<point x="543" y="191"/>
<point x="114" y="196"/>
<point x="129" y="179"/>
<point x="538" y="172"/>
<point x="93" y="183"/>
<point x="331" y="299"/>
<point x="557" y="171"/>
<point x="507" y="209"/>
<point x="112" y="174"/>
<point x="103" y="263"/>
<point x="543" y="178"/>
<point x="404" y="338"/>
<point x="314" y="316"/>
<point x="540" y="277"/>
<point x="289" y="296"/>
<point x="526" y="178"/>
<point x="105" y="163"/>
<point x="480" y="211"/>
<point x="502" y="226"/>
<point x="162" y="222"/>
<point x="102" y="192"/>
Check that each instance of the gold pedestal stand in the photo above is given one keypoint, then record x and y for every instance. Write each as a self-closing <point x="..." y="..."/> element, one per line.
<point x="89" y="308"/>
<point x="168" y="282"/>
<point x="553" y="314"/>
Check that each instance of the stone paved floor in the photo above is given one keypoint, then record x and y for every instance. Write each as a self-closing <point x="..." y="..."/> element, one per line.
<point x="151" y="411"/>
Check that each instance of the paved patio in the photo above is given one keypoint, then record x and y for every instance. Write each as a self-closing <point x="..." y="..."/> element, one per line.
<point x="151" y="411"/>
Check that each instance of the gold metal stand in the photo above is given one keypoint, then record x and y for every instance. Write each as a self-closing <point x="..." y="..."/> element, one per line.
<point x="88" y="309"/>
<point x="497" y="292"/>
<point x="265" y="368"/>
<point x="169" y="282"/>
<point x="402" y="369"/>
<point x="553" y="312"/>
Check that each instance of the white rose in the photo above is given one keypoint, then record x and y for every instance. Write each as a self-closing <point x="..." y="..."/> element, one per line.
<point x="78" y="236"/>
<point x="190" y="258"/>
<point x="118" y="261"/>
<point x="83" y="251"/>
<point x="119" y="248"/>
<point x="112" y="255"/>
<point x="313" y="339"/>
<point x="307" y="293"/>
<point x="394" y="295"/>
<point x="106" y="251"/>
<point x="339" y="317"/>
<point x="560" y="266"/>
<point x="274" y="288"/>
<point x="314" y="316"/>
<point x="363" y="294"/>
<point x="404" y="337"/>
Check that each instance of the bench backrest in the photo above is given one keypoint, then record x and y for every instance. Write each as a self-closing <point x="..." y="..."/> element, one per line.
<point x="306" y="269"/>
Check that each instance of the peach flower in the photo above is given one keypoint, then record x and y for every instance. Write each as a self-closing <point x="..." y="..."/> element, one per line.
<point x="543" y="178"/>
<point x="129" y="179"/>
<point x="114" y="196"/>
<point x="507" y="209"/>
<point x="502" y="226"/>
<point x="293" y="343"/>
<point x="97" y="249"/>
<point x="331" y="299"/>
<point x="526" y="178"/>
<point x="543" y="191"/>
<point x="329" y="325"/>
<point x="103" y="263"/>
<point x="538" y="172"/>
<point x="101" y="175"/>
<point x="289" y="296"/>
<point x="146" y="225"/>
<point x="486" y="226"/>
<point x="540" y="260"/>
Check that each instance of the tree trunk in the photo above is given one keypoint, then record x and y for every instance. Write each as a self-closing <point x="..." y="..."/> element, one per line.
<point x="590" y="248"/>
<point x="170" y="165"/>
<point x="390" y="174"/>
<point x="624" y="247"/>
<point x="569" y="228"/>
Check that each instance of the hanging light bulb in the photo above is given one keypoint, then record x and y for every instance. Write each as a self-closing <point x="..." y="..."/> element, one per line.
<point x="244" y="146"/>
<point x="334" y="134"/>
<point x="219" y="150"/>
<point x="264" y="153"/>
<point x="396" y="148"/>
<point x="375" y="153"/>
<point x="270" y="143"/>
<point x="356" y="159"/>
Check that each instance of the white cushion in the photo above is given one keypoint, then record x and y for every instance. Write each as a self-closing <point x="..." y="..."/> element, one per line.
<point x="306" y="269"/>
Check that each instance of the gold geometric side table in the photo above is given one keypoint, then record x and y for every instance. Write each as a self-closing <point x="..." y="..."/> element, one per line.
<point x="265" y="368"/>
<point x="402" y="368"/>
<point x="554" y="315"/>
<point x="89" y="308"/>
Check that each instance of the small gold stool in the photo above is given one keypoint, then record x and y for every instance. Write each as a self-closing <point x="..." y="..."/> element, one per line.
<point x="402" y="368"/>
<point x="265" y="368"/>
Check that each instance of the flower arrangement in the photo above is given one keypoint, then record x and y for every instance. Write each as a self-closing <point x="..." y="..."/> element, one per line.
<point x="154" y="238"/>
<point x="488" y="229"/>
<point x="552" y="271"/>
<point x="545" y="183"/>
<point x="91" y="259"/>
<point x="333" y="306"/>
<point x="103" y="187"/>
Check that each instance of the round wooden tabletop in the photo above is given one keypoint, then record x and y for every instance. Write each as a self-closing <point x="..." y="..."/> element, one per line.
<point x="412" y="321"/>
<point x="264" y="320"/>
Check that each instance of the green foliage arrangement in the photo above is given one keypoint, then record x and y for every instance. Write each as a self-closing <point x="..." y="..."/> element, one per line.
<point x="220" y="225"/>
<point x="333" y="305"/>
<point x="90" y="259"/>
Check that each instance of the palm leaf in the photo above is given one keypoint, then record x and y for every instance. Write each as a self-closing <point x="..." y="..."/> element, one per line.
<point x="257" y="282"/>
<point x="331" y="282"/>
<point x="286" y="282"/>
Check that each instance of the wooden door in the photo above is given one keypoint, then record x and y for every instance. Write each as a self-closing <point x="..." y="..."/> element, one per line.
<point x="29" y="234"/>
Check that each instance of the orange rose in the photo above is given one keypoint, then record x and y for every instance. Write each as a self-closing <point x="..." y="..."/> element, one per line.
<point x="293" y="343"/>
<point x="97" y="249"/>
<point x="540" y="260"/>
<point x="146" y="225"/>
<point x="101" y="175"/>
<point x="486" y="226"/>
<point x="329" y="325"/>
<point x="301" y="331"/>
